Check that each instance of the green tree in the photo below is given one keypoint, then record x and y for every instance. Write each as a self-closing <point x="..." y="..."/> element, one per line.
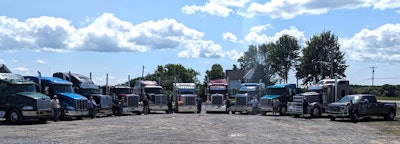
<point x="217" y="72"/>
<point x="321" y="57"/>
<point x="283" y="55"/>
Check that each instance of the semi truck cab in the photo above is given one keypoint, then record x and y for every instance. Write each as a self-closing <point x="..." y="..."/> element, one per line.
<point x="246" y="93"/>
<point x="185" y="97"/>
<point x="72" y="104"/>
<point x="131" y="101"/>
<point x="283" y="92"/>
<point x="19" y="100"/>
<point x="216" y="94"/>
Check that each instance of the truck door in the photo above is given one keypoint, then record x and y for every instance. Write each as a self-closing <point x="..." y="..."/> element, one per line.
<point x="374" y="105"/>
<point x="363" y="106"/>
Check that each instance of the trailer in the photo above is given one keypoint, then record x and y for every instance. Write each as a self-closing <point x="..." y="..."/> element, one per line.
<point x="184" y="97"/>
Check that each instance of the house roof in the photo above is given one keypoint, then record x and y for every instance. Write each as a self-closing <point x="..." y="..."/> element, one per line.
<point x="4" y="69"/>
<point x="235" y="74"/>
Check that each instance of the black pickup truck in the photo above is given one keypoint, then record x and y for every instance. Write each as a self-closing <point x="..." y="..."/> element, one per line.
<point x="366" y="105"/>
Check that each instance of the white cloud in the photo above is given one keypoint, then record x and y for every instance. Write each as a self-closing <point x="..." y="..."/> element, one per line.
<point x="257" y="38"/>
<point x="222" y="8"/>
<point x="40" y="61"/>
<point x="234" y="55"/>
<point x="105" y="33"/>
<point x="379" y="45"/>
<point x="288" y="9"/>
<point x="22" y="70"/>
<point x="229" y="36"/>
<point x="386" y="4"/>
<point x="260" y="28"/>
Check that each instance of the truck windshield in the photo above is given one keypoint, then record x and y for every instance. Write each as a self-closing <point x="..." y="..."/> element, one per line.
<point x="153" y="90"/>
<point x="276" y="91"/>
<point x="63" y="89"/>
<point x="89" y="91"/>
<point x="348" y="98"/>
<point x="217" y="91"/>
<point x="122" y="90"/>
<point x="22" y="88"/>
<point x="248" y="92"/>
<point x="186" y="91"/>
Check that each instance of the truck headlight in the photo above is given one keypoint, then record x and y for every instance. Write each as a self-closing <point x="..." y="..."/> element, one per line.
<point x="27" y="108"/>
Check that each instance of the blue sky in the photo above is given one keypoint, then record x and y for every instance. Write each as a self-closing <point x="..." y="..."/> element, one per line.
<point x="119" y="37"/>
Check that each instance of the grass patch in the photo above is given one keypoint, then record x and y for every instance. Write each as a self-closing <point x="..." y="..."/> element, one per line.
<point x="388" y="98"/>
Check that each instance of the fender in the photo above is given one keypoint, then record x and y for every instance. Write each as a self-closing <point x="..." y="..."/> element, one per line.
<point x="312" y="106"/>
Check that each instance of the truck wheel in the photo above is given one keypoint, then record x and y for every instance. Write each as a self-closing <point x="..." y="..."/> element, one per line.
<point x="283" y="111"/>
<point x="63" y="116"/>
<point x="332" y="118"/>
<point x="390" y="115"/>
<point x="315" y="112"/>
<point x="15" y="116"/>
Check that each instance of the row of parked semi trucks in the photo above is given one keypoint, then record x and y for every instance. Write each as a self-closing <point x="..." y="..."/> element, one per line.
<point x="331" y="96"/>
<point x="28" y="97"/>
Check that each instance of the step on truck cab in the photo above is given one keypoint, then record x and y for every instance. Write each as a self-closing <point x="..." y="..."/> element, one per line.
<point x="131" y="101"/>
<point x="158" y="100"/>
<point x="185" y="97"/>
<point x="72" y="104"/>
<point x="283" y="92"/>
<point x="84" y="85"/>
<point x="315" y="101"/>
<point x="217" y="90"/>
<point x="19" y="100"/>
<point x="243" y="99"/>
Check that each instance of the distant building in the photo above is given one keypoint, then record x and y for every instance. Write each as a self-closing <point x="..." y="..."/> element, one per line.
<point x="4" y="69"/>
<point x="236" y="77"/>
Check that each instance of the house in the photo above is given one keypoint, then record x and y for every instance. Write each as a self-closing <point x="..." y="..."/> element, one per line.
<point x="4" y="69"/>
<point x="237" y="77"/>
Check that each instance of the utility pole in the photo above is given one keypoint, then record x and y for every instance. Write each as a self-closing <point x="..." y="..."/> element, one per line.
<point x="373" y="71"/>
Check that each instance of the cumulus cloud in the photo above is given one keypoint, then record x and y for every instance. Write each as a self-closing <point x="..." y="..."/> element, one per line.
<point x="288" y="9"/>
<point x="386" y="4"/>
<point x="40" y="61"/>
<point x="379" y="45"/>
<point x="260" y="28"/>
<point x="22" y="70"/>
<point x="234" y="55"/>
<point x="105" y="33"/>
<point x="222" y="8"/>
<point x="254" y="37"/>
<point x="229" y="36"/>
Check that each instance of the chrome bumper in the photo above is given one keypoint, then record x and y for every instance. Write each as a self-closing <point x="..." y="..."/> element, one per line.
<point x="37" y="113"/>
<point x="241" y="108"/>
<point x="265" y="109"/>
<point x="215" y="108"/>
<point x="74" y="113"/>
<point x="191" y="108"/>
<point x="158" y="107"/>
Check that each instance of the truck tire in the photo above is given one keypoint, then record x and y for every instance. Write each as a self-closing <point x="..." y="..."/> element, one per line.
<point x="63" y="116"/>
<point x="15" y="116"/>
<point x="332" y="118"/>
<point x="282" y="111"/>
<point x="315" y="112"/>
<point x="390" y="115"/>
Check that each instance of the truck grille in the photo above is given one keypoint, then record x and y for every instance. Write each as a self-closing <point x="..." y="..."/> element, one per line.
<point x="160" y="100"/>
<point x="132" y="101"/>
<point x="241" y="100"/>
<point x="218" y="99"/>
<point x="43" y="104"/>
<point x="190" y="100"/>
<point x="81" y="104"/>
<point x="266" y="102"/>
<point x="105" y="101"/>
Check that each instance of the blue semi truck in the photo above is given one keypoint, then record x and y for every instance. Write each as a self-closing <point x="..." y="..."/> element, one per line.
<point x="72" y="104"/>
<point x="247" y="92"/>
<point x="19" y="100"/>
<point x="86" y="87"/>
<point x="283" y="92"/>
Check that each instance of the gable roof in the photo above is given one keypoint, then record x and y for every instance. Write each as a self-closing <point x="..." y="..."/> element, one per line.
<point x="4" y="69"/>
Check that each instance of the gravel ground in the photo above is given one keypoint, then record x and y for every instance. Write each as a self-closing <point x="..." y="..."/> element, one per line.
<point x="202" y="128"/>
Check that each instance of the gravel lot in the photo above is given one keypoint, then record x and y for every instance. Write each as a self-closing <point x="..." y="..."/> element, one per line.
<point x="202" y="128"/>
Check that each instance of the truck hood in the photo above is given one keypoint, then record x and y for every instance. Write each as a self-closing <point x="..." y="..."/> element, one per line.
<point x="73" y="95"/>
<point x="33" y="95"/>
<point x="270" y="96"/>
<point x="335" y="104"/>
